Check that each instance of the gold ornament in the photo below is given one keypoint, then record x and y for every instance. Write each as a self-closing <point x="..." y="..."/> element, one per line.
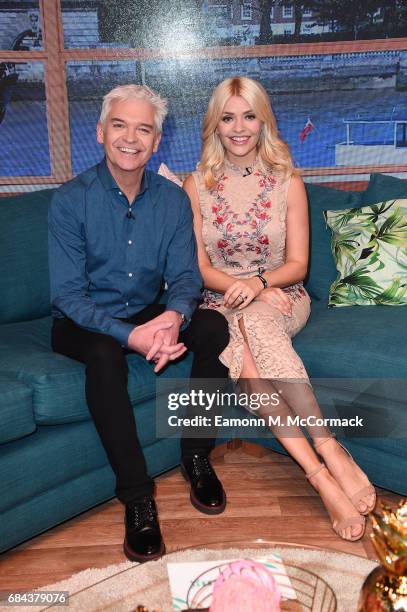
<point x="385" y="588"/>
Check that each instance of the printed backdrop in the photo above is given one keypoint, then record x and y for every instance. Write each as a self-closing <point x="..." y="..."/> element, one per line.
<point x="334" y="109"/>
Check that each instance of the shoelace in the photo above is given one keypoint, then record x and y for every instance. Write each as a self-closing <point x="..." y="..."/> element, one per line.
<point x="201" y="466"/>
<point x="143" y="512"/>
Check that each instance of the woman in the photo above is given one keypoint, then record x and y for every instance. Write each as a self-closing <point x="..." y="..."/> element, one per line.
<point x="251" y="225"/>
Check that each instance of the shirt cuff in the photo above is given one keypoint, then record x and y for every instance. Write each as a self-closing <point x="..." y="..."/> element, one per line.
<point x="183" y="308"/>
<point x="121" y="331"/>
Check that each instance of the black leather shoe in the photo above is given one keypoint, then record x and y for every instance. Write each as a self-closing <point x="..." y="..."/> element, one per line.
<point x="207" y="494"/>
<point x="143" y="540"/>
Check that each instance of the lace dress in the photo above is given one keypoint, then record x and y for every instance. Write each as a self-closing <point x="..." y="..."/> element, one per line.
<point x="244" y="228"/>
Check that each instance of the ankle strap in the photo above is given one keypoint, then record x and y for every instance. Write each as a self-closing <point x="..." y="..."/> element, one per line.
<point x="316" y="471"/>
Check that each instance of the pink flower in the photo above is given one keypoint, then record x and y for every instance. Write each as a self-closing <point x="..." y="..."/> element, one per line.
<point x="229" y="227"/>
<point x="258" y="250"/>
<point x="215" y="209"/>
<point x="253" y="224"/>
<point x="262" y="216"/>
<point x="222" y="244"/>
<point x="220" y="220"/>
<point x="266" y="204"/>
<point x="263" y="239"/>
<point x="230" y="251"/>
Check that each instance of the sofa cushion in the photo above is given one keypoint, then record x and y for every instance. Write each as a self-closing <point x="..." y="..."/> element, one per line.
<point x="56" y="454"/>
<point x="58" y="382"/>
<point x="383" y="187"/>
<point x="355" y="342"/>
<point x="369" y="246"/>
<point x="16" y="410"/>
<point x="24" y="257"/>
<point x="322" y="271"/>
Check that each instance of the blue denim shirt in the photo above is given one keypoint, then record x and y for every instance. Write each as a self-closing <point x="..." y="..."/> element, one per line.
<point x="106" y="265"/>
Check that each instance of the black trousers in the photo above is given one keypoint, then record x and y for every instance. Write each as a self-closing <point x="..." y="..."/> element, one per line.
<point x="106" y="388"/>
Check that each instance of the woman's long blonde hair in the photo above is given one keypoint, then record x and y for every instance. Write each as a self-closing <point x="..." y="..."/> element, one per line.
<point x="271" y="149"/>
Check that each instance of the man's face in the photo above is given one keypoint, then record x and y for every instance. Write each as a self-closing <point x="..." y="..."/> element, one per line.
<point x="129" y="135"/>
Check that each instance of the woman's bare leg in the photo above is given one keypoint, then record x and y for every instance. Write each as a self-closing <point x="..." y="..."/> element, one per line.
<point x="336" y="502"/>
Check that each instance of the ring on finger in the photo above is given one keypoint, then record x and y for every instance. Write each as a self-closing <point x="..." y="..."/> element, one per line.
<point x="242" y="297"/>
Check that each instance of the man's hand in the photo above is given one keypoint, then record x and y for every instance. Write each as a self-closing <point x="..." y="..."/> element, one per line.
<point x="170" y="334"/>
<point x="157" y="340"/>
<point x="166" y="339"/>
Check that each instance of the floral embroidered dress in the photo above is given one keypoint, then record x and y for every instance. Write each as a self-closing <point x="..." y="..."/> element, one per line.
<point x="244" y="230"/>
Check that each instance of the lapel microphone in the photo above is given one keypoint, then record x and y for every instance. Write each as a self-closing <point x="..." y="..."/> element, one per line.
<point x="248" y="171"/>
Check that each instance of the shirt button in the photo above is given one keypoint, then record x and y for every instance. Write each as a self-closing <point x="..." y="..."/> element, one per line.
<point x="130" y="241"/>
<point x="130" y="274"/>
<point x="127" y="303"/>
<point x="120" y="193"/>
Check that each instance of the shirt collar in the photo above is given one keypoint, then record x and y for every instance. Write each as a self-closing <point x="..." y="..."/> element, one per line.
<point x="109" y="183"/>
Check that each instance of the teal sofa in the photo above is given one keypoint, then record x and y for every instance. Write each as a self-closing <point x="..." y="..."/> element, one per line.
<point x="52" y="464"/>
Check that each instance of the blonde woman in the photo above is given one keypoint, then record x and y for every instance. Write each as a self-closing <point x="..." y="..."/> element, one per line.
<point x="251" y="225"/>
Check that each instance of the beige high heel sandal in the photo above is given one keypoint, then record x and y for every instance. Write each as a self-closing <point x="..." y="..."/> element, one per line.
<point x="337" y="526"/>
<point x="357" y="497"/>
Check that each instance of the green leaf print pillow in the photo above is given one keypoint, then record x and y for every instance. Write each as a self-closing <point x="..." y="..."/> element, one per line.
<point x="369" y="245"/>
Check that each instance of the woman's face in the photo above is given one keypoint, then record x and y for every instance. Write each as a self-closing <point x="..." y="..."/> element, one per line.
<point x="239" y="131"/>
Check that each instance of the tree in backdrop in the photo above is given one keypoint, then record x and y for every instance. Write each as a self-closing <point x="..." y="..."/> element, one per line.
<point x="379" y="17"/>
<point x="356" y="15"/>
<point x="394" y="15"/>
<point x="151" y="23"/>
<point x="265" y="35"/>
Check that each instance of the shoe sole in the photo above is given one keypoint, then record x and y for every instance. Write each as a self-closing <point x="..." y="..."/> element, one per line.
<point x="199" y="505"/>
<point x="132" y="556"/>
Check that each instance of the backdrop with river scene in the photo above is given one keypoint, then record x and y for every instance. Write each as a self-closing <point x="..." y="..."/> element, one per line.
<point x="337" y="77"/>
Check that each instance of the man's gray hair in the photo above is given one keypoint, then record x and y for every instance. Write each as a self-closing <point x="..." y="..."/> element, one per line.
<point x="135" y="92"/>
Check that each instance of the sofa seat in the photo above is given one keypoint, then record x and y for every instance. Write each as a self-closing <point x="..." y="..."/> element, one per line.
<point x="34" y="464"/>
<point x="35" y="490"/>
<point x="357" y="363"/>
<point x="58" y="383"/>
<point x="354" y="342"/>
<point x="16" y="411"/>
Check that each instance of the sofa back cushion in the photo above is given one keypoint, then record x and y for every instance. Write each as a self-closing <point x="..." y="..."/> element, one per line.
<point x="322" y="271"/>
<point x="382" y="187"/>
<point x="24" y="278"/>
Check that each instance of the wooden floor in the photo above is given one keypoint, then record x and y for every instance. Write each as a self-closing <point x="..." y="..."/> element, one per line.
<point x="268" y="497"/>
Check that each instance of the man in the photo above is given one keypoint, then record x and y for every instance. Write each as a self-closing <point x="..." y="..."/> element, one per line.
<point x="116" y="232"/>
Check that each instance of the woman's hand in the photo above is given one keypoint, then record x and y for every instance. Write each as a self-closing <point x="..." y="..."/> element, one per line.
<point x="277" y="298"/>
<point x="242" y="292"/>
